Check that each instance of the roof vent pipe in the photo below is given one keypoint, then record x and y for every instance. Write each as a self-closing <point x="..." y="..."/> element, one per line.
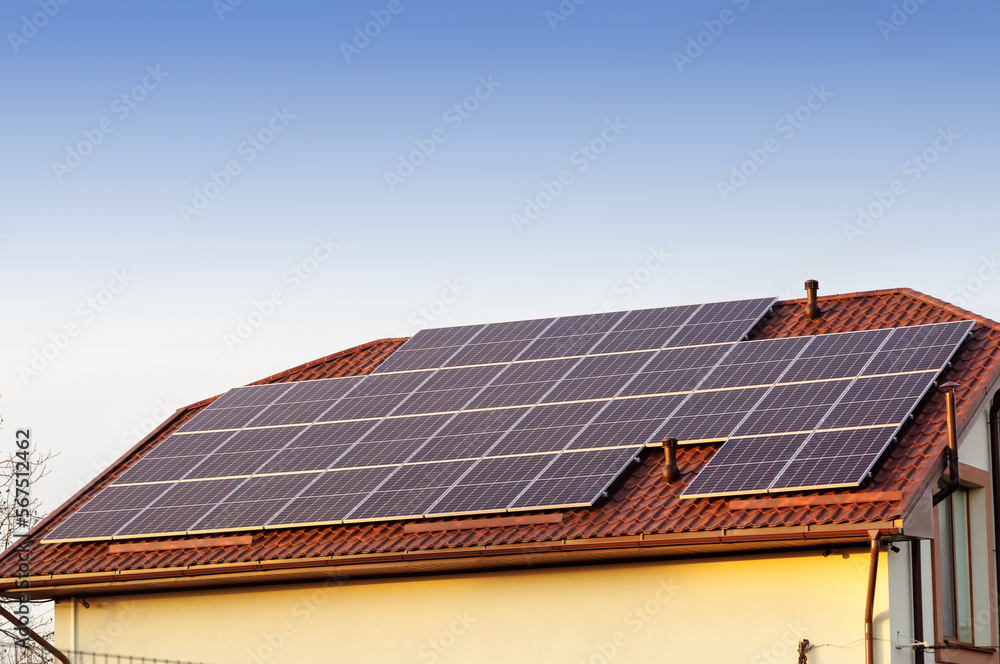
<point x="953" y="479"/>
<point x="812" y="307"/>
<point x="670" y="472"/>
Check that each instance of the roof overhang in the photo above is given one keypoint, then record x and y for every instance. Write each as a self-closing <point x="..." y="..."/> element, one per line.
<point x="504" y="557"/>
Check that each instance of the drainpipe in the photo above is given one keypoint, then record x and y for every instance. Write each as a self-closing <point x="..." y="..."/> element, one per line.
<point x="917" y="589"/>
<point x="72" y="624"/>
<point x="995" y="476"/>
<point x="58" y="654"/>
<point x="870" y="601"/>
<point x="953" y="479"/>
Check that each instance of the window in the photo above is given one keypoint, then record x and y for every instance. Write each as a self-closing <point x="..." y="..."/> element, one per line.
<point x="955" y="549"/>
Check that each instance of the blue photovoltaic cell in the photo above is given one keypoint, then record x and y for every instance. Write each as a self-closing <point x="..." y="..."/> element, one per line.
<point x="834" y="458"/>
<point x="502" y="351"/>
<point x="573" y="476"/>
<point x="525" y="441"/>
<point x="196" y="444"/>
<point x="319" y="390"/>
<point x="437" y="401"/>
<point x="443" y="337"/>
<point x="617" y="342"/>
<point x="569" y="346"/>
<point x="736" y="310"/>
<point x="223" y="418"/>
<point x="473" y="445"/>
<point x="413" y="360"/>
<point x="745" y="465"/>
<point x="622" y="432"/>
<point x="521" y="330"/>
<point x="183" y="494"/>
<point x="645" y="319"/>
<point x="255" y="395"/>
<point x="255" y="440"/>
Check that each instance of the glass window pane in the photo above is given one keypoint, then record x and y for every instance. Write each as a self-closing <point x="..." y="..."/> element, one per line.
<point x="946" y="547"/>
<point x="963" y="565"/>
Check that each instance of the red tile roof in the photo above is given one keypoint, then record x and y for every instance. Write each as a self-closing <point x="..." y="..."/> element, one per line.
<point x="640" y="503"/>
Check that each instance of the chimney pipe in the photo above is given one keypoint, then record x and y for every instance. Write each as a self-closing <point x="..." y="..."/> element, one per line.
<point x="812" y="308"/>
<point x="670" y="472"/>
<point x="953" y="479"/>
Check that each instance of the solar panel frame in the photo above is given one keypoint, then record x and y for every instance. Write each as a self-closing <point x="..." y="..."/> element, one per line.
<point x="879" y="418"/>
<point x="956" y="331"/>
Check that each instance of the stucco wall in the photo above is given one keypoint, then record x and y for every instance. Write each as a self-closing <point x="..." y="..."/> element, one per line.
<point x="713" y="610"/>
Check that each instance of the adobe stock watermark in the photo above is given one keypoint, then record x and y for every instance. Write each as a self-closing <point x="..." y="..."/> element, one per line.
<point x="223" y="7"/>
<point x="581" y="158"/>
<point x="635" y="621"/>
<point x="562" y="12"/>
<point x="434" y="647"/>
<point x="786" y="127"/>
<point x="162" y="409"/>
<point x="86" y="312"/>
<point x="454" y="116"/>
<point x="632" y="281"/>
<point x="714" y="27"/>
<point x="292" y="279"/>
<point x="962" y="294"/>
<point x="913" y="169"/>
<point x="248" y="149"/>
<point x="121" y="108"/>
<point x="780" y="649"/>
<point x="301" y="612"/>
<point x="364" y="34"/>
<point x="425" y="315"/>
<point x="899" y="17"/>
<point x="30" y="25"/>
<point x="112" y="630"/>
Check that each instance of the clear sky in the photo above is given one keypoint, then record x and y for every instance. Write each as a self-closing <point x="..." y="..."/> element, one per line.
<point x="358" y="170"/>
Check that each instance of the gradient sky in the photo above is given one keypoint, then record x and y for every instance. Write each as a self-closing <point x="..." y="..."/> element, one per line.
<point x="888" y="92"/>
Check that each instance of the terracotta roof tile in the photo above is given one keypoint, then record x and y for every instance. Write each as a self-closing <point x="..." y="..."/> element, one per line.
<point x="638" y="503"/>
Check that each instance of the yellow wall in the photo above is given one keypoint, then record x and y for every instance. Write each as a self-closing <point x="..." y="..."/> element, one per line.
<point x="714" y="610"/>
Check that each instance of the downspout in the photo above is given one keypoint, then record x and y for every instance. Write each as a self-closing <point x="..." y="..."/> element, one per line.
<point x="72" y="624"/>
<point x="995" y="476"/>
<point x="953" y="479"/>
<point x="870" y="600"/>
<point x="917" y="589"/>
<point x="34" y="636"/>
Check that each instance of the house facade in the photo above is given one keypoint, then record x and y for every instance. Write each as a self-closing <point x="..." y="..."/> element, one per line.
<point x="902" y="568"/>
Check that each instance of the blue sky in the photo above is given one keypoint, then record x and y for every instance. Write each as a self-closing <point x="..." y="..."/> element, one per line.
<point x="619" y="155"/>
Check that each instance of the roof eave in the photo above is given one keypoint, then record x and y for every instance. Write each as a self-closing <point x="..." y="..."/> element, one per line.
<point x="528" y="555"/>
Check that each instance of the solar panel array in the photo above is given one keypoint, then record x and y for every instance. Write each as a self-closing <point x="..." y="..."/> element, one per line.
<point x="823" y="410"/>
<point x="488" y="418"/>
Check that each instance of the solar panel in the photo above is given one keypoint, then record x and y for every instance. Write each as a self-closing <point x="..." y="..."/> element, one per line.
<point x="571" y="336"/>
<point x="511" y="416"/>
<point x="831" y="432"/>
<point x="745" y="465"/>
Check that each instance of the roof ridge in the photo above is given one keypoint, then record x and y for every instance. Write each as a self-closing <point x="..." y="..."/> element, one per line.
<point x="949" y="307"/>
<point x="912" y="294"/>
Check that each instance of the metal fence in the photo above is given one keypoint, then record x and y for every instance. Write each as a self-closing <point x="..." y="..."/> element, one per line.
<point x="82" y="657"/>
<point x="10" y="654"/>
